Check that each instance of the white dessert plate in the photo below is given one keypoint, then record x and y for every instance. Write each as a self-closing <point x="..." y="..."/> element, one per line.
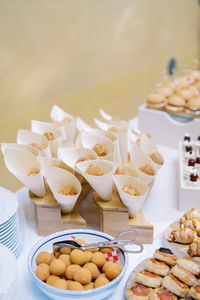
<point x="8" y="205"/>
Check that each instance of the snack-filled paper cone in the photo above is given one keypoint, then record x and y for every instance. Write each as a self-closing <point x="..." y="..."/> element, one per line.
<point x="149" y="148"/>
<point x="133" y="203"/>
<point x="20" y="163"/>
<point x="139" y="159"/>
<point x="48" y="162"/>
<point x="113" y="120"/>
<point x="27" y="137"/>
<point x="46" y="127"/>
<point x="108" y="135"/>
<point x="121" y="132"/>
<point x="101" y="184"/>
<point x="59" y="179"/>
<point x="71" y="155"/>
<point x="81" y="125"/>
<point x="89" y="140"/>
<point x="68" y="121"/>
<point x="127" y="170"/>
<point x="16" y="146"/>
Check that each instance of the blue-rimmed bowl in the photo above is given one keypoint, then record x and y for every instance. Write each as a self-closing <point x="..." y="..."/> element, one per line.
<point x="90" y="236"/>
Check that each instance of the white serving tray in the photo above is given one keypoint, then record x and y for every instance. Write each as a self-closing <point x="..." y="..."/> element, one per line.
<point x="189" y="197"/>
<point x="166" y="129"/>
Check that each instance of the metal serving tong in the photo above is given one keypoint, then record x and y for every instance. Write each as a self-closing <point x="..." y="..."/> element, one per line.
<point x="119" y="242"/>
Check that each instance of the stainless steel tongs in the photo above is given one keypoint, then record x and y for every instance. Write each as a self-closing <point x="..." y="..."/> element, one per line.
<point x="119" y="242"/>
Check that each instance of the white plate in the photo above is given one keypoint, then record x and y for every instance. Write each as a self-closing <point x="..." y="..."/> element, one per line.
<point x="8" y="205"/>
<point x="9" y="223"/>
<point x="8" y="270"/>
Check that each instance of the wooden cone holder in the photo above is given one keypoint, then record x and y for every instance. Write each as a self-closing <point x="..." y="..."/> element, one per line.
<point x="114" y="218"/>
<point x="49" y="216"/>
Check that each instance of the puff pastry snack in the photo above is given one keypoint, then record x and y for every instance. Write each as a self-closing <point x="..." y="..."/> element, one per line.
<point x="175" y="286"/>
<point x="189" y="265"/>
<point x="194" y="292"/>
<point x="192" y="214"/>
<point x="194" y="248"/>
<point x="165" y="255"/>
<point x="183" y="275"/>
<point x="162" y="293"/>
<point x="138" y="292"/>
<point x="182" y="236"/>
<point x="156" y="266"/>
<point x="193" y="224"/>
<point x="148" y="279"/>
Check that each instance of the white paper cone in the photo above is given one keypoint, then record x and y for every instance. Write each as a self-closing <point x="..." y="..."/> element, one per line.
<point x="112" y="120"/>
<point x="58" y="115"/>
<point x="101" y="184"/>
<point x="81" y="125"/>
<point x="20" y="163"/>
<point x="79" y="140"/>
<point x="42" y="127"/>
<point x="89" y="140"/>
<point x="149" y="147"/>
<point x="133" y="203"/>
<point x="71" y="155"/>
<point x="131" y="170"/>
<point x="27" y="137"/>
<point x="121" y="134"/>
<point x="16" y="146"/>
<point x="57" y="179"/>
<point x="139" y="158"/>
<point x="122" y="137"/>
<point x="106" y="134"/>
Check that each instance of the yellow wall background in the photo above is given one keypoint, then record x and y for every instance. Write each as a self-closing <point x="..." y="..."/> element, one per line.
<point x="87" y="54"/>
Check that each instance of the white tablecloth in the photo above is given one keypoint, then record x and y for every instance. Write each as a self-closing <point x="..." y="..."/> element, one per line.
<point x="160" y="208"/>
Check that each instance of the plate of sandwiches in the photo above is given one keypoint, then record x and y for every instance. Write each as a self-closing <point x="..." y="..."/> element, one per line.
<point x="165" y="276"/>
<point x="183" y="236"/>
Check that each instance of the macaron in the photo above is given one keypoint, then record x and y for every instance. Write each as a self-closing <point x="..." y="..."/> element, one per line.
<point x="193" y="107"/>
<point x="175" y="104"/>
<point x="156" y="101"/>
<point x="172" y="85"/>
<point x="186" y="94"/>
<point x="183" y="82"/>
<point x="165" y="91"/>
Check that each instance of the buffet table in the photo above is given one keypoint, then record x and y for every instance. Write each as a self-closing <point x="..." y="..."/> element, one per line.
<point x="160" y="208"/>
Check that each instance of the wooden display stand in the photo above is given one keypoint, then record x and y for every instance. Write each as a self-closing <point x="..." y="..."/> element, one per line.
<point x="49" y="216"/>
<point x="114" y="218"/>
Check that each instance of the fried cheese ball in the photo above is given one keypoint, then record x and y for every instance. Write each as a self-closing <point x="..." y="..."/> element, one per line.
<point x="92" y="169"/>
<point x="67" y="120"/>
<point x="57" y="267"/>
<point x="89" y="286"/>
<point x="66" y="259"/>
<point x="77" y="257"/>
<point x="52" y="279"/>
<point x="67" y="191"/>
<point x="88" y="256"/>
<point x="42" y="272"/>
<point x="69" y="273"/>
<point x="98" y="259"/>
<point x="44" y="257"/>
<point x="106" y="250"/>
<point x="82" y="275"/>
<point x="93" y="270"/>
<point x="100" y="149"/>
<point x="60" y="284"/>
<point x="65" y="250"/>
<point x="100" y="281"/>
<point x="75" y="286"/>
<point x="112" y="270"/>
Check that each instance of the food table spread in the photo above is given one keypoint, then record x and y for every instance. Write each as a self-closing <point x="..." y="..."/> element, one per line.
<point x="160" y="208"/>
